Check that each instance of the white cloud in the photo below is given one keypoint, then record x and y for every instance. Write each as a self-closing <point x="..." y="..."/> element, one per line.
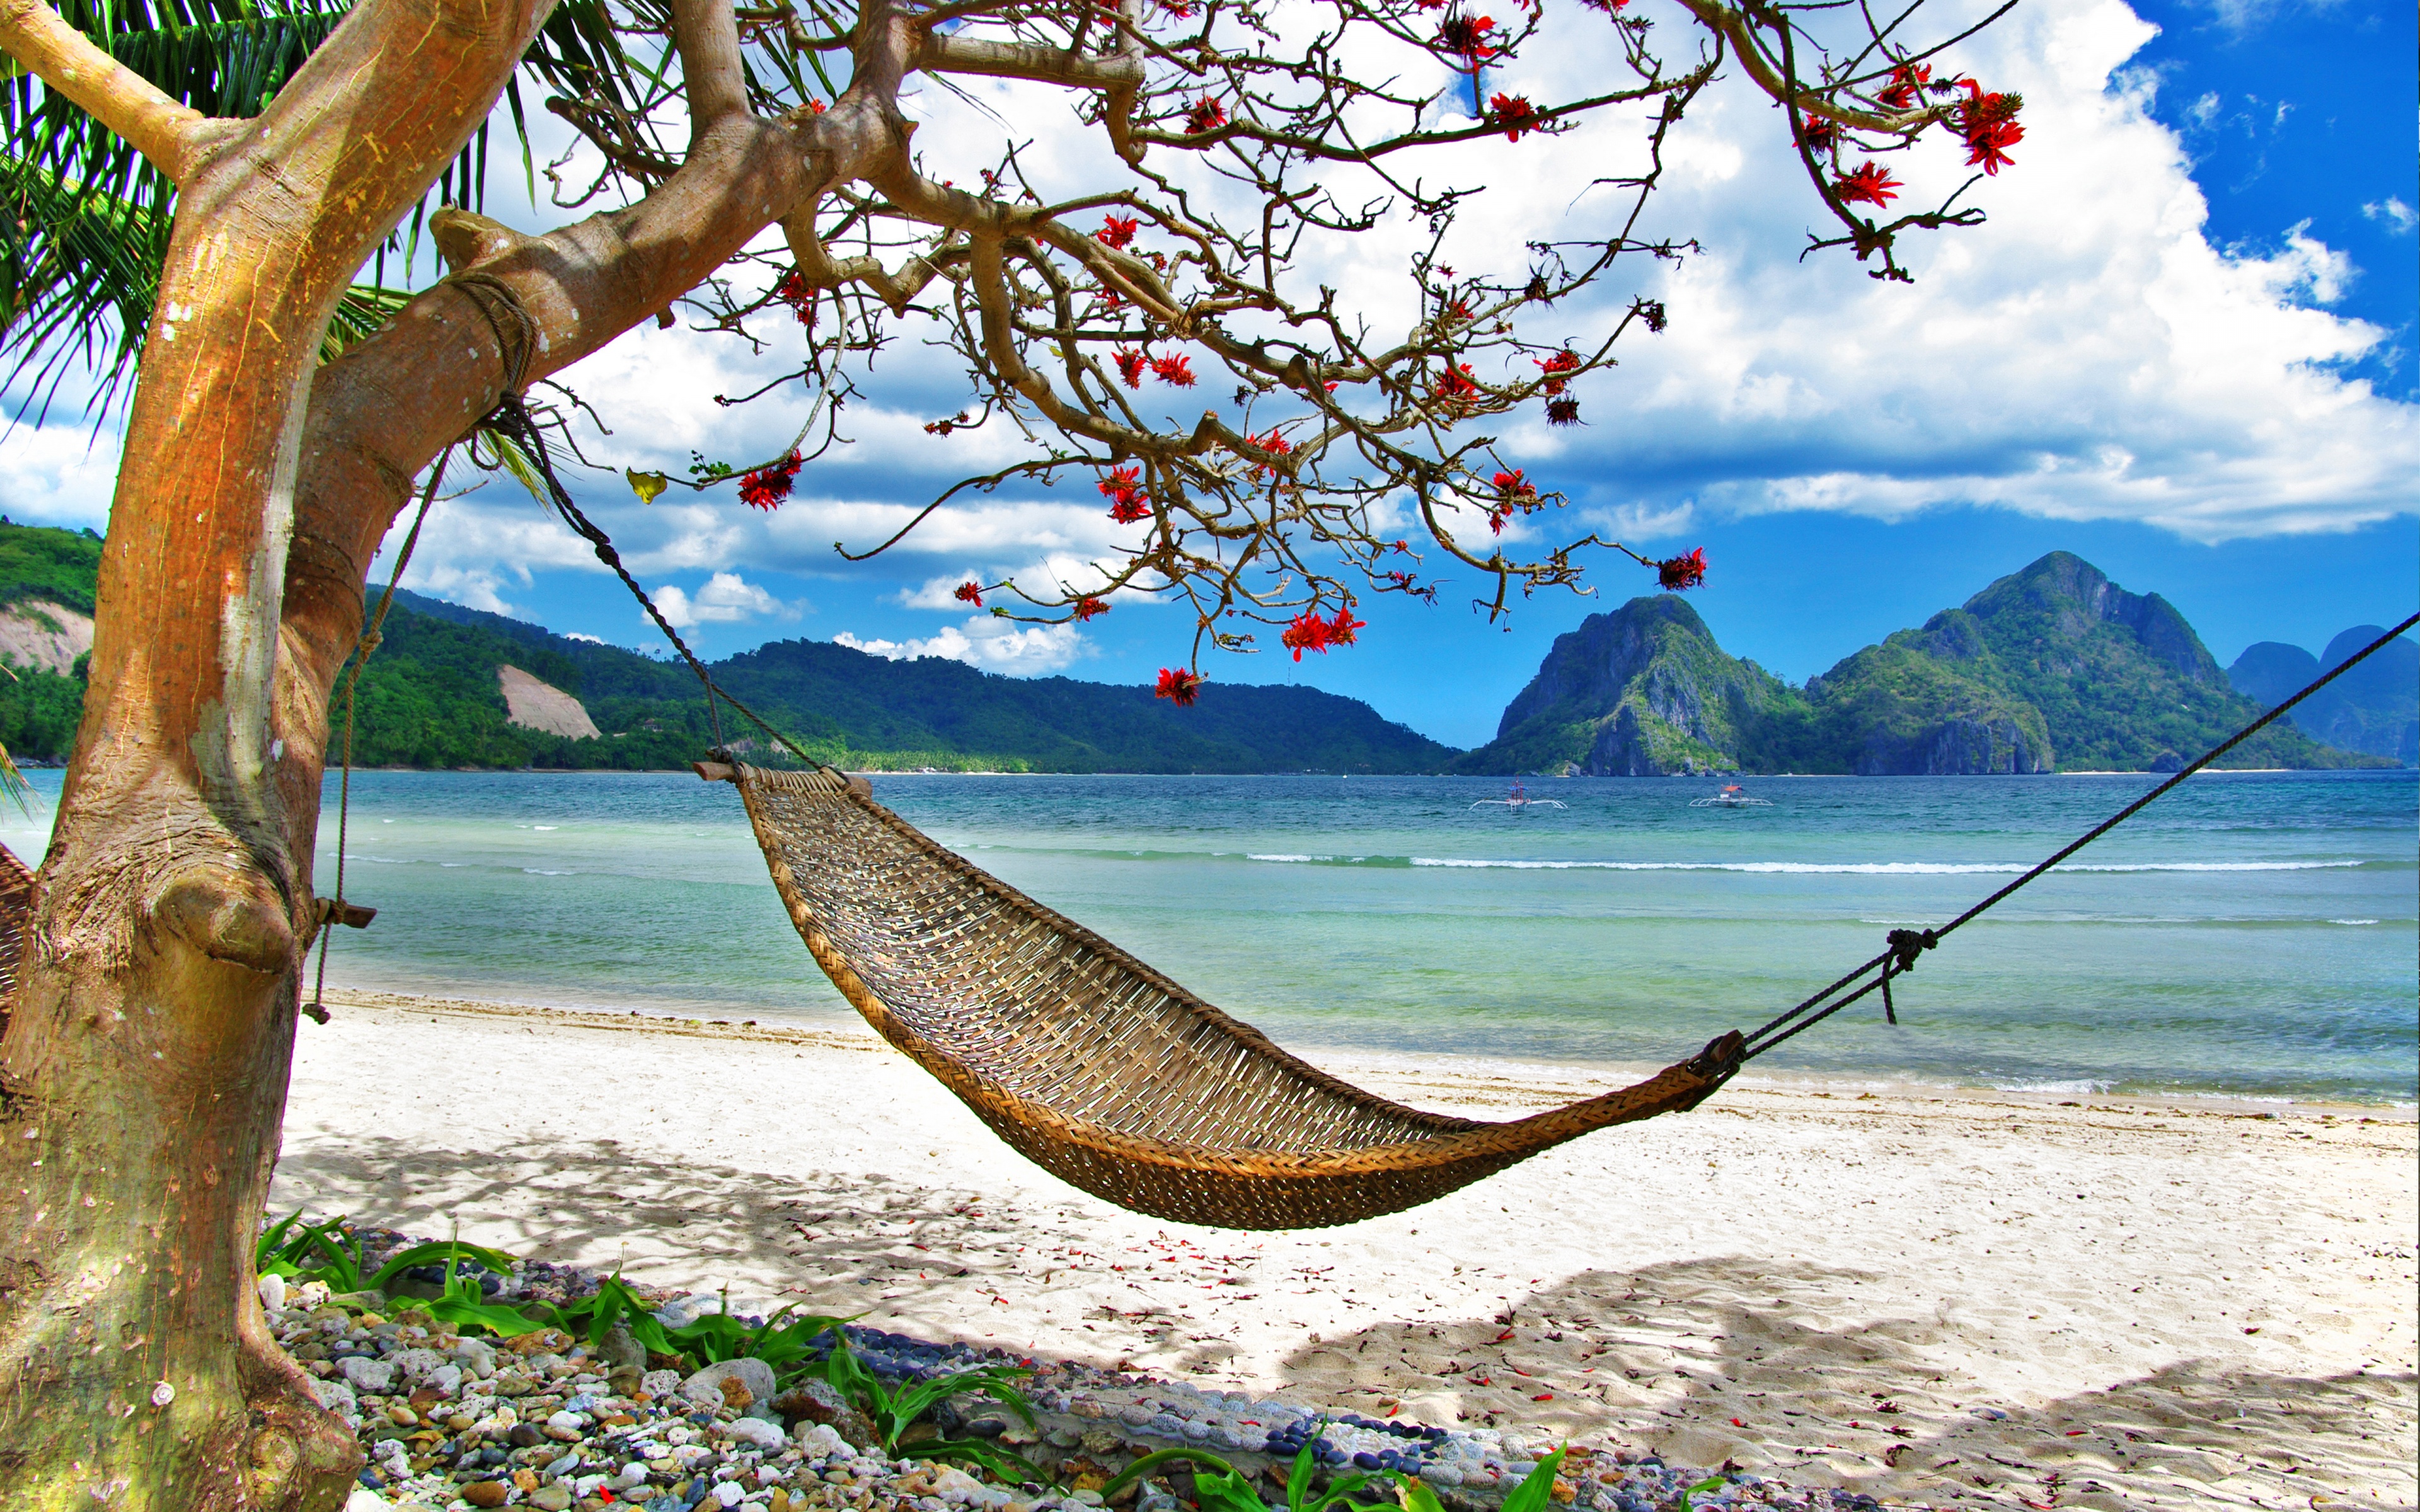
<point x="58" y="474"/>
<point x="993" y="645"/>
<point x="726" y="600"/>
<point x="2398" y="217"/>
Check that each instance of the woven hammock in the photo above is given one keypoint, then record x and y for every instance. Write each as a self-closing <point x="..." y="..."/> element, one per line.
<point x="1097" y="1068"/>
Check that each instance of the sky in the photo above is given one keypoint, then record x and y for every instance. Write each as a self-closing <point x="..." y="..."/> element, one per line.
<point x="2182" y="347"/>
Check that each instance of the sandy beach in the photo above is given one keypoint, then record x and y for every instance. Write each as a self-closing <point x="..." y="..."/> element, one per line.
<point x="1937" y="1298"/>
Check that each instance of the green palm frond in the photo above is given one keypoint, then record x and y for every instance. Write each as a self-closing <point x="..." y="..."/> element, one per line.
<point x="85" y="221"/>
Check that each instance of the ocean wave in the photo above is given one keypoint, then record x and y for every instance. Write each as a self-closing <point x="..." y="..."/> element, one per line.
<point x="1867" y="869"/>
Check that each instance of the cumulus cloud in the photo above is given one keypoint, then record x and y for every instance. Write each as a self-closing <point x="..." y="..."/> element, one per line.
<point x="726" y="600"/>
<point x="993" y="645"/>
<point x="58" y="474"/>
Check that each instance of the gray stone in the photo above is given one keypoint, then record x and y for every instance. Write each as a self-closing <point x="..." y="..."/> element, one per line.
<point x="366" y="1375"/>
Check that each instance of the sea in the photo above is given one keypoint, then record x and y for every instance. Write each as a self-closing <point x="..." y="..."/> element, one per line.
<point x="2250" y="936"/>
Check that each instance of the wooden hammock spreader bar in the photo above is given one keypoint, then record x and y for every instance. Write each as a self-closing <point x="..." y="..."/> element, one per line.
<point x="1098" y="1068"/>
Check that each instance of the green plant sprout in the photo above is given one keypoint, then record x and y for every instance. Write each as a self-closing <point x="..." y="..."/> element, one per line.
<point x="895" y="1412"/>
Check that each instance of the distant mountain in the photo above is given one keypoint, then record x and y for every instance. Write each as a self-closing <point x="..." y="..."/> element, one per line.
<point x="2373" y="708"/>
<point x="450" y="687"/>
<point x="2051" y="668"/>
<point x="1638" y="692"/>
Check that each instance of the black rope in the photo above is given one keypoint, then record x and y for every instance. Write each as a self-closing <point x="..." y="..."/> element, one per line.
<point x="1904" y="945"/>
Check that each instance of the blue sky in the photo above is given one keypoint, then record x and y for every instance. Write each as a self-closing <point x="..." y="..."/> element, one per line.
<point x="2183" y="348"/>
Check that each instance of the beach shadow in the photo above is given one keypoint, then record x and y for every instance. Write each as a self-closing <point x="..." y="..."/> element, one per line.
<point x="835" y="1243"/>
<point x="1677" y="1359"/>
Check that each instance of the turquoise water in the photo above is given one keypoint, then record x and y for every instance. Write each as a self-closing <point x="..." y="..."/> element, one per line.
<point x="2251" y="934"/>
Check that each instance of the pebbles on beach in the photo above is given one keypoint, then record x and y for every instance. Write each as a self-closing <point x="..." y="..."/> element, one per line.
<point x="451" y="1421"/>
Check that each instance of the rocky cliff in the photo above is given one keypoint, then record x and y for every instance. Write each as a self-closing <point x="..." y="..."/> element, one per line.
<point x="1638" y="692"/>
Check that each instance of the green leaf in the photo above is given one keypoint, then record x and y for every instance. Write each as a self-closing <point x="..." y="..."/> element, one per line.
<point x="1711" y="1483"/>
<point x="1152" y="1462"/>
<point x="1416" y="1496"/>
<point x="1305" y="1465"/>
<point x="439" y="1250"/>
<point x="1533" y="1492"/>
<point x="1225" y="1490"/>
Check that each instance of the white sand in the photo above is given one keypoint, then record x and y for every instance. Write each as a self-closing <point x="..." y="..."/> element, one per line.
<point x="2171" y="1303"/>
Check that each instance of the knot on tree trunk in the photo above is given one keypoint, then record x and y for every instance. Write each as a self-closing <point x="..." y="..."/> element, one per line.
<point x="228" y="918"/>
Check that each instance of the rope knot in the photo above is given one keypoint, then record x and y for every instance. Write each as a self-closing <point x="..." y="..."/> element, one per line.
<point x="1907" y="944"/>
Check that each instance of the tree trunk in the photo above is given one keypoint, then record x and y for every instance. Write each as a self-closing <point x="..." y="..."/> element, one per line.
<point x="143" y="1068"/>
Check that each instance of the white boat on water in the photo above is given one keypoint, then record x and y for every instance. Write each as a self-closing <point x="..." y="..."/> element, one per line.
<point x="1518" y="800"/>
<point x="1732" y="797"/>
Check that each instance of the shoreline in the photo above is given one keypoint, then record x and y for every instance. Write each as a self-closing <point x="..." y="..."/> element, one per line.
<point x="1413" y="1064"/>
<point x="1946" y="1300"/>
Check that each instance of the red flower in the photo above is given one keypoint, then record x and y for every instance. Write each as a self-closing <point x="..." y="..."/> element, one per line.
<point x="1465" y="36"/>
<point x="1180" y="10"/>
<point x="1117" y="230"/>
<point x="1089" y="608"/>
<point x="1555" y="368"/>
<point x="1562" y="411"/>
<point x="1652" y="312"/>
<point x="1178" y="686"/>
<point x="968" y="593"/>
<point x="1818" y="134"/>
<point x="1454" y="385"/>
<point x="1515" y="114"/>
<point x="793" y="291"/>
<point x="1677" y="573"/>
<point x="1130" y="365"/>
<point x="1177" y="370"/>
<point x="1989" y="123"/>
<point x="1129" y="502"/>
<point x="1872" y="183"/>
<point x="1273" y="443"/>
<point x="1340" y="630"/>
<point x="1514" y="486"/>
<point x="1905" y="81"/>
<point x="767" y="486"/>
<point x="1205" y="117"/>
<point x="1305" y="632"/>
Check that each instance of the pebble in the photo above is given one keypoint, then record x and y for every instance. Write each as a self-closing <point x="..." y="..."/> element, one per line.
<point x="543" y="1421"/>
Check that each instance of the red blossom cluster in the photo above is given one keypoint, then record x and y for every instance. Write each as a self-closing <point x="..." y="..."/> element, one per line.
<point x="1181" y="10"/>
<point x="1205" y="117"/>
<point x="1564" y="411"/>
<point x="1130" y="365"/>
<point x="1466" y="38"/>
<point x="1513" y="492"/>
<point x="1651" y="312"/>
<point x="1123" y="488"/>
<point x="1675" y="574"/>
<point x="1989" y="124"/>
<point x="1117" y="230"/>
<point x="1272" y="442"/>
<point x="1515" y="114"/>
<point x="1818" y="134"/>
<point x="1177" y="685"/>
<point x="793" y="291"/>
<point x="1872" y="183"/>
<point x="1455" y="385"/>
<point x="1906" y="81"/>
<point x="967" y="592"/>
<point x="767" y="486"/>
<point x="1306" y="631"/>
<point x="1176" y="371"/>
<point x="1090" y="608"/>
<point x="1556" y="370"/>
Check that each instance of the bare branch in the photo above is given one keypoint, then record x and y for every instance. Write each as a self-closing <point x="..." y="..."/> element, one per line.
<point x="163" y="130"/>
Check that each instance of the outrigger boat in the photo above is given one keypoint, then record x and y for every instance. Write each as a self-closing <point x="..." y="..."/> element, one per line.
<point x="1518" y="800"/>
<point x="1732" y="797"/>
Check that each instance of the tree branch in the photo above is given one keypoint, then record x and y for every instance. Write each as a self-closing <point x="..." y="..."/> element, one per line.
<point x="163" y="130"/>
<point x="951" y="54"/>
<point x="714" y="79"/>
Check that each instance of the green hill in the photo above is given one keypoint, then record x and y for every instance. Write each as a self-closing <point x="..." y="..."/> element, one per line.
<point x="430" y="697"/>
<point x="2051" y="668"/>
<point x="2373" y="708"/>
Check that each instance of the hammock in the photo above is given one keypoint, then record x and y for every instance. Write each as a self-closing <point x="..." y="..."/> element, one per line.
<point x="1097" y="1068"/>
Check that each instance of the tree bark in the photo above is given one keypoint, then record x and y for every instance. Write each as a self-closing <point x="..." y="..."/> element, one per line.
<point x="142" y="1070"/>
